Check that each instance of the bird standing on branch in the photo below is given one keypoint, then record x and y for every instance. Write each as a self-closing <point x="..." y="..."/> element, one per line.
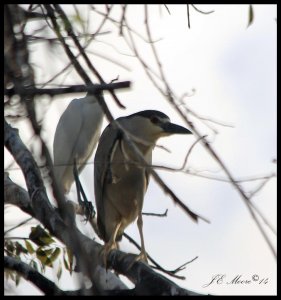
<point x="120" y="180"/>
<point x="76" y="136"/>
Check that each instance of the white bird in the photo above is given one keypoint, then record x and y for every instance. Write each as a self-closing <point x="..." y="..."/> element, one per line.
<point x="76" y="137"/>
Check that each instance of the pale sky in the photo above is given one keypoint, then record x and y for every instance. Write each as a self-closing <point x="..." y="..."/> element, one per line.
<point x="233" y="70"/>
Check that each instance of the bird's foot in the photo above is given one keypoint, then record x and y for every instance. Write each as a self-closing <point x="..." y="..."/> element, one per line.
<point x="88" y="210"/>
<point x="105" y="251"/>
<point x="141" y="257"/>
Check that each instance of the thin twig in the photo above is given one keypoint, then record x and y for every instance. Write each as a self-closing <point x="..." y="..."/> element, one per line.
<point x="106" y="16"/>
<point x="188" y="18"/>
<point x="205" y="143"/>
<point x="116" y="23"/>
<point x="167" y="9"/>
<point x="124" y="7"/>
<point x="157" y="266"/>
<point x="189" y="151"/>
<point x="156" y="215"/>
<point x="18" y="225"/>
<point x="251" y="194"/>
<point x="76" y="64"/>
<point x="33" y="38"/>
<point x="182" y="267"/>
<point x="70" y="32"/>
<point x="202" y="12"/>
<point x="208" y="119"/>
<point x="263" y="217"/>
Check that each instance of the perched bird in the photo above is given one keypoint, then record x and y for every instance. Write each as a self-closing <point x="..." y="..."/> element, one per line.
<point x="121" y="183"/>
<point x="76" y="136"/>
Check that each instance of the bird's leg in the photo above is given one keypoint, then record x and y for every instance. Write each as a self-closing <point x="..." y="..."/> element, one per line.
<point x="87" y="205"/>
<point x="77" y="182"/>
<point x="110" y="245"/>
<point x="142" y="256"/>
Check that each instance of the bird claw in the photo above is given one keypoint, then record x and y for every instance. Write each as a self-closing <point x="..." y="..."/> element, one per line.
<point x="141" y="257"/>
<point x="88" y="210"/>
<point x="105" y="251"/>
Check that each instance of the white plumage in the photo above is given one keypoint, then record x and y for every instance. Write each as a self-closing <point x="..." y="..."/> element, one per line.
<point x="76" y="136"/>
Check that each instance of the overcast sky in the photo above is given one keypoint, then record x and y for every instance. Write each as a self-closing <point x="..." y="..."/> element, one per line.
<point x="230" y="70"/>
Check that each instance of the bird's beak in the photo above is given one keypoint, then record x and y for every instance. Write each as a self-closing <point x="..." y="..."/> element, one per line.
<point x="172" y="128"/>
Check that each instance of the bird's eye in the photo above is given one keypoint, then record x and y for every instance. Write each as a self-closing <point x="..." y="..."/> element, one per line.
<point x="154" y="120"/>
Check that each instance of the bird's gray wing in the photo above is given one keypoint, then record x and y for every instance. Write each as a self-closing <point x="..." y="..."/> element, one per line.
<point x="66" y="135"/>
<point x="102" y="171"/>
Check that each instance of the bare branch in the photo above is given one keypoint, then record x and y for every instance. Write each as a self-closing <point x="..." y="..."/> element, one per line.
<point x="188" y="17"/>
<point x="261" y="185"/>
<point x="164" y="214"/>
<point x="257" y="210"/>
<point x="157" y="266"/>
<point x="166" y="6"/>
<point x="202" y="12"/>
<point x="169" y="96"/>
<point x="18" y="225"/>
<point x="116" y="23"/>
<point x="34" y="38"/>
<point x="189" y="151"/>
<point x="70" y="32"/>
<point x="91" y="88"/>
<point x="76" y="64"/>
<point x="106" y="16"/>
<point x="124" y="7"/>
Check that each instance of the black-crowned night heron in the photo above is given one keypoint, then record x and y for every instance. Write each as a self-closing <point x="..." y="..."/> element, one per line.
<point x="76" y="136"/>
<point x="120" y="184"/>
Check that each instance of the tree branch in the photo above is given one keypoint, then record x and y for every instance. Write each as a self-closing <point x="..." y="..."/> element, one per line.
<point x="41" y="207"/>
<point x="68" y="28"/>
<point x="30" y="274"/>
<point x="47" y="286"/>
<point x="140" y="274"/>
<point x="72" y="89"/>
<point x="75" y="62"/>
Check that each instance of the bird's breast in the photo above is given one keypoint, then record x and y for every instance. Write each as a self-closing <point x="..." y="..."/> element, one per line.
<point x="126" y="190"/>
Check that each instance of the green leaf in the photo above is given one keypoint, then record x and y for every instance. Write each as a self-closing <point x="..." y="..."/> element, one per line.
<point x="251" y="15"/>
<point x="42" y="267"/>
<point x="59" y="272"/>
<point x="47" y="240"/>
<point x="55" y="254"/>
<point x="66" y="264"/>
<point x="35" y="234"/>
<point x="43" y="257"/>
<point x="20" y="249"/>
<point x="10" y="247"/>
<point x="29" y="247"/>
<point x="49" y="263"/>
<point x="49" y="251"/>
<point x="34" y="265"/>
<point x="40" y="236"/>
<point x="70" y="259"/>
